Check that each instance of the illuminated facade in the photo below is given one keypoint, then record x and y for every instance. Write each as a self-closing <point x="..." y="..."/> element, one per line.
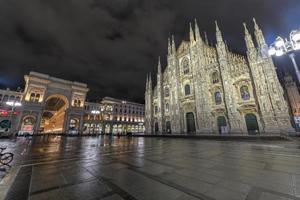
<point x="114" y="116"/>
<point x="53" y="105"/>
<point x="8" y="113"/>
<point x="208" y="89"/>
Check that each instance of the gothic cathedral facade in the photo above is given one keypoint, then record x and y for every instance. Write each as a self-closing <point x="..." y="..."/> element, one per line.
<point x="206" y="89"/>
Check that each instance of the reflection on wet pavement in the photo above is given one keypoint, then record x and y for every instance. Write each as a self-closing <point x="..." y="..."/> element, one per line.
<point x="55" y="167"/>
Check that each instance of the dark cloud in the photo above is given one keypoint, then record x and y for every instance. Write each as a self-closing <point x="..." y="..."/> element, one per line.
<point x="112" y="44"/>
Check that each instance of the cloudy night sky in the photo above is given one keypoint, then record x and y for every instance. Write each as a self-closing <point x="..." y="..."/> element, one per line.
<point x="112" y="44"/>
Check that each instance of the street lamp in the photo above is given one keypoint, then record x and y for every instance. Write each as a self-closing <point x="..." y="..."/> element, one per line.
<point x="13" y="105"/>
<point x="95" y="112"/>
<point x="284" y="46"/>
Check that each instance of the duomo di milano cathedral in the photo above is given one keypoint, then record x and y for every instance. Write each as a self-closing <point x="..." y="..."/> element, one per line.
<point x="208" y="89"/>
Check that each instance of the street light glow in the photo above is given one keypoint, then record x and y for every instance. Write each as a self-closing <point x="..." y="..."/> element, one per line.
<point x="279" y="53"/>
<point x="13" y="103"/>
<point x="272" y="51"/>
<point x="283" y="46"/>
<point x="95" y="112"/>
<point x="295" y="36"/>
<point x="295" y="39"/>
<point x="279" y="42"/>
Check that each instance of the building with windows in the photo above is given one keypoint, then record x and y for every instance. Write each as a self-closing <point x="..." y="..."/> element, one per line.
<point x="294" y="99"/>
<point x="114" y="116"/>
<point x="51" y="105"/>
<point x="209" y="89"/>
<point x="54" y="105"/>
<point x="8" y="113"/>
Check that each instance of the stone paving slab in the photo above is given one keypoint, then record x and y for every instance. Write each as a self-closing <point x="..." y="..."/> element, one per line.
<point x="93" y="168"/>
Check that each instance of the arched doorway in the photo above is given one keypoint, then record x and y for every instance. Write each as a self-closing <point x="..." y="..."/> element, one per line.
<point x="28" y="124"/>
<point x="222" y="125"/>
<point x="168" y="127"/>
<point x="252" y="124"/>
<point x="190" y="123"/>
<point x="74" y="126"/>
<point x="53" y="118"/>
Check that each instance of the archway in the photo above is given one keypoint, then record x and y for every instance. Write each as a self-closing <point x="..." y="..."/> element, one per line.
<point x="28" y="124"/>
<point x="74" y="126"/>
<point x="190" y="123"/>
<point x="53" y="118"/>
<point x="252" y="124"/>
<point x="222" y="125"/>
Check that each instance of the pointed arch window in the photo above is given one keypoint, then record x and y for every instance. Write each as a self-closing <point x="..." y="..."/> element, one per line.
<point x="215" y="77"/>
<point x="167" y="92"/>
<point x="167" y="107"/>
<point x="245" y="94"/>
<point x="185" y="66"/>
<point x="218" y="98"/>
<point x="155" y="109"/>
<point x="187" y="89"/>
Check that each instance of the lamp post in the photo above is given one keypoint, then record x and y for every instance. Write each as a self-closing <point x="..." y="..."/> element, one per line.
<point x="284" y="46"/>
<point x="95" y="112"/>
<point x="13" y="105"/>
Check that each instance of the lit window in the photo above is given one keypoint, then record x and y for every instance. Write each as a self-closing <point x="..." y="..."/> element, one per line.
<point x="37" y="98"/>
<point x="32" y="96"/>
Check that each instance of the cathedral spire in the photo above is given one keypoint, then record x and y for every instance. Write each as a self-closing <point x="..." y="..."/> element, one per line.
<point x="197" y="32"/>
<point x="218" y="34"/>
<point x="173" y="45"/>
<point x="248" y="38"/>
<point x="206" y="38"/>
<point x="147" y="82"/>
<point x="226" y="46"/>
<point x="169" y="47"/>
<point x="159" y="66"/>
<point x="150" y="81"/>
<point x="192" y="36"/>
<point x="260" y="39"/>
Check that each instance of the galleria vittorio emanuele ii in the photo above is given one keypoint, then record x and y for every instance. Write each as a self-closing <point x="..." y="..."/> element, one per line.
<point x="209" y="89"/>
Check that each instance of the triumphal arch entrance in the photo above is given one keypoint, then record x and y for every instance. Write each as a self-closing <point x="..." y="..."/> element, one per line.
<point x="52" y="105"/>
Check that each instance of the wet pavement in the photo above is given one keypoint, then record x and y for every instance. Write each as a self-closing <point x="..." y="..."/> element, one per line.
<point x="112" y="168"/>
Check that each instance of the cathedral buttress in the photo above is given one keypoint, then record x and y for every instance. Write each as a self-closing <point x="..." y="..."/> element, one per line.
<point x="233" y="115"/>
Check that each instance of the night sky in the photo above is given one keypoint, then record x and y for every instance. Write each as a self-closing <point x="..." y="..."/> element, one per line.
<point x="112" y="44"/>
